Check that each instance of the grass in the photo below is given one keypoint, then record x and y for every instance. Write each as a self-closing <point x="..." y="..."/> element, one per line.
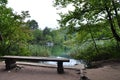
<point x="38" y="50"/>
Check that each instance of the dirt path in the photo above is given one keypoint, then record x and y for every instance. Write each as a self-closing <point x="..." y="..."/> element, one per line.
<point x="111" y="71"/>
<point x="37" y="73"/>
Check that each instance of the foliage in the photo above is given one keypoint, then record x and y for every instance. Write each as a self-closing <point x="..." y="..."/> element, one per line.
<point x="38" y="50"/>
<point x="14" y="32"/>
<point x="47" y="36"/>
<point x="87" y="52"/>
<point x="89" y="23"/>
<point x="42" y="37"/>
<point x="32" y="24"/>
<point x="3" y="2"/>
<point x="89" y="11"/>
<point x="58" y="36"/>
<point x="37" y="36"/>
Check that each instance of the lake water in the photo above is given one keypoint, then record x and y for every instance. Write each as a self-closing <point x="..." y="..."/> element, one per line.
<point x="62" y="51"/>
<point x="71" y="63"/>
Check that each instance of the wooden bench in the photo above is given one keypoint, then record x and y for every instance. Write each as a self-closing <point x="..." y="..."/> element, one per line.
<point x="10" y="61"/>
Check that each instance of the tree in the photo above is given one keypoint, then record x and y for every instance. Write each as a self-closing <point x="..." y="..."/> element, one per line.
<point x="91" y="20"/>
<point x="58" y="36"/>
<point x="110" y="19"/>
<point x="14" y="31"/>
<point x="46" y="31"/>
<point x="37" y="36"/>
<point x="32" y="24"/>
<point x="3" y="2"/>
<point x="91" y="11"/>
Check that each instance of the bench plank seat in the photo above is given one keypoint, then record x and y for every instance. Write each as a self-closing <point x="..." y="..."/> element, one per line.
<point x="35" y="58"/>
<point x="10" y="61"/>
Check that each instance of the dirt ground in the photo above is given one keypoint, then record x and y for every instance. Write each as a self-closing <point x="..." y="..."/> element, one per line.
<point x="111" y="71"/>
<point x="36" y="73"/>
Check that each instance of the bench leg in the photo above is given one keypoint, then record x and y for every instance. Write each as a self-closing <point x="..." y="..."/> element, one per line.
<point x="10" y="64"/>
<point x="60" y="68"/>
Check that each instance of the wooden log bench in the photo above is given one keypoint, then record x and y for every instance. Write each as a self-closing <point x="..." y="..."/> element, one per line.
<point x="10" y="61"/>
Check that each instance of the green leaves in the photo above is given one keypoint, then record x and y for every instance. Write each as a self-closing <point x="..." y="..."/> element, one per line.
<point x="32" y="24"/>
<point x="86" y="12"/>
<point x="3" y="2"/>
<point x="91" y="21"/>
<point x="13" y="30"/>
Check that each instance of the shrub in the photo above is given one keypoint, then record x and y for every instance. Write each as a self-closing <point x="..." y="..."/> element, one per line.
<point x="37" y="50"/>
<point x="89" y="53"/>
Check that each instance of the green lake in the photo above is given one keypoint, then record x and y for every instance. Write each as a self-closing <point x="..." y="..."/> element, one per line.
<point x="61" y="51"/>
<point x="57" y="51"/>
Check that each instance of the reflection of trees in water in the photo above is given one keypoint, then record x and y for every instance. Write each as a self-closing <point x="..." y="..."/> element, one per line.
<point x="59" y="50"/>
<point x="65" y="49"/>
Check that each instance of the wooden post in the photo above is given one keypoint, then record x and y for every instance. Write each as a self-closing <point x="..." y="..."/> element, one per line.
<point x="10" y="63"/>
<point x="60" y="68"/>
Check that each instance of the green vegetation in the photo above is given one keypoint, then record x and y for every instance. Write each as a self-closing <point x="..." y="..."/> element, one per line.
<point x="20" y="37"/>
<point x="107" y="50"/>
<point x="91" y="30"/>
<point x="37" y="50"/>
<point x="93" y="27"/>
<point x="14" y="32"/>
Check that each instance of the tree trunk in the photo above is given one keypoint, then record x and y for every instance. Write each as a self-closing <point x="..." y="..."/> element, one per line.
<point x="116" y="13"/>
<point x="116" y="36"/>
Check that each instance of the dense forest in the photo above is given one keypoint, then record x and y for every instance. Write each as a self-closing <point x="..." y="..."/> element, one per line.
<point x="91" y="30"/>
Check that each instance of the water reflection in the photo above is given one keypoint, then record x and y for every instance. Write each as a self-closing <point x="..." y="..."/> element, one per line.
<point x="59" y="51"/>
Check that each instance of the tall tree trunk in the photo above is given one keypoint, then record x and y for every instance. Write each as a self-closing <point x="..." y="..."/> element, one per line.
<point x="116" y="13"/>
<point x="116" y="36"/>
<point x="117" y="17"/>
